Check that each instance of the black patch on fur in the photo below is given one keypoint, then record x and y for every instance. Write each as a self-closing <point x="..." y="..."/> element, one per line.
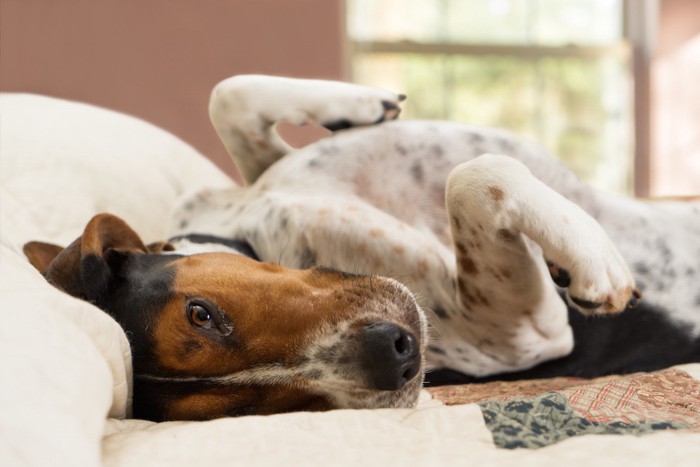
<point x="642" y="339"/>
<point x="401" y="149"/>
<point x="440" y="313"/>
<point x="241" y="246"/>
<point x="417" y="172"/>
<point x="307" y="259"/>
<point x="136" y="301"/>
<point x="641" y="268"/>
<point x="337" y="125"/>
<point x="666" y="254"/>
<point x="436" y="151"/>
<point x="327" y="149"/>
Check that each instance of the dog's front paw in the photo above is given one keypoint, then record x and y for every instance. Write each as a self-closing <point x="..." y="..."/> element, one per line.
<point x="597" y="283"/>
<point x="349" y="105"/>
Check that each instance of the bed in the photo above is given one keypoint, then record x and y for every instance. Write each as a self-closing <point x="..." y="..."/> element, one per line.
<point x="65" y="389"/>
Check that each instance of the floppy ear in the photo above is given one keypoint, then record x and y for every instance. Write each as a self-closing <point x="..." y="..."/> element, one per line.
<point x="89" y="265"/>
<point x="41" y="254"/>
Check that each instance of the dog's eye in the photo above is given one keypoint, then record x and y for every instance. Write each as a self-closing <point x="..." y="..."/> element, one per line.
<point x="206" y="317"/>
<point x="199" y="316"/>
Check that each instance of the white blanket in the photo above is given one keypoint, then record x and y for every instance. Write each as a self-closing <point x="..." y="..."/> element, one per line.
<point x="65" y="385"/>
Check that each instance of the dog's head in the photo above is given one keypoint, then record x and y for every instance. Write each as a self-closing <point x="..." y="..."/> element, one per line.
<point x="219" y="334"/>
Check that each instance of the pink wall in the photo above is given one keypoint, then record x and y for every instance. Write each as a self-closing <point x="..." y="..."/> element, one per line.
<point x="675" y="100"/>
<point x="159" y="59"/>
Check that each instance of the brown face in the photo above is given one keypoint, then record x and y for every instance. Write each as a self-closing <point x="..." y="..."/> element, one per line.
<point x="218" y="334"/>
<point x="238" y="337"/>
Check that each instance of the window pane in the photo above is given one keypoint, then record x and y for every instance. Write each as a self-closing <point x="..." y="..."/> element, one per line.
<point x="581" y="22"/>
<point x="532" y="22"/>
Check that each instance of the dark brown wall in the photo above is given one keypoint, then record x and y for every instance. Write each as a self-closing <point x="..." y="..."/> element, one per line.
<point x="158" y="59"/>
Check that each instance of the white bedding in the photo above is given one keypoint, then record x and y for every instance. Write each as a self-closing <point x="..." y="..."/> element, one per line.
<point x="64" y="390"/>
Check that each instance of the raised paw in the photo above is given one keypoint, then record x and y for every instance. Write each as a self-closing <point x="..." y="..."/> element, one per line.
<point x="609" y="290"/>
<point x="245" y="109"/>
<point x="358" y="106"/>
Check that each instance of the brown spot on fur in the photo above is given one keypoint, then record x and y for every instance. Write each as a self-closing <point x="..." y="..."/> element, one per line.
<point x="496" y="193"/>
<point x="507" y="235"/>
<point x="423" y="266"/>
<point x="398" y="250"/>
<point x="455" y="222"/>
<point x="483" y="300"/>
<point x="376" y="233"/>
<point x="495" y="274"/>
<point x="461" y="248"/>
<point x="467" y="298"/>
<point x="467" y="265"/>
<point x="461" y="284"/>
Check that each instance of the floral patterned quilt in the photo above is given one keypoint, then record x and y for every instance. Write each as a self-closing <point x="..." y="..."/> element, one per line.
<point x="537" y="413"/>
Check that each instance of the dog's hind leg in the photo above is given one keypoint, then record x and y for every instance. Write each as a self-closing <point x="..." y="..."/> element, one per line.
<point x="244" y="110"/>
<point x="508" y="314"/>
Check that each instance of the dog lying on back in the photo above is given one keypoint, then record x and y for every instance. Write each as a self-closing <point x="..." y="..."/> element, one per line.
<point x="488" y="244"/>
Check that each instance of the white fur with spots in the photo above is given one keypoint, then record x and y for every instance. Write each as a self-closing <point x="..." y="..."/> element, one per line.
<point x="372" y="200"/>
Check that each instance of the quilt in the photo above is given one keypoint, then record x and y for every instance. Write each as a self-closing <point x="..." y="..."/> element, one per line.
<point x="538" y="413"/>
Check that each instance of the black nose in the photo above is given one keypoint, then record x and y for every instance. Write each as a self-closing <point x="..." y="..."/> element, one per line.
<point x="390" y="356"/>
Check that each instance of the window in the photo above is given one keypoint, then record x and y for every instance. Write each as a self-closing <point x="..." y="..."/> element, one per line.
<point x="556" y="71"/>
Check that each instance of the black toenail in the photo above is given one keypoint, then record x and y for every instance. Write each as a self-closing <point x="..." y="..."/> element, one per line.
<point x="585" y="303"/>
<point x="634" y="301"/>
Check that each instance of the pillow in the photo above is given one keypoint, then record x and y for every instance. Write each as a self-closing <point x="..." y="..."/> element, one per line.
<point x="63" y="162"/>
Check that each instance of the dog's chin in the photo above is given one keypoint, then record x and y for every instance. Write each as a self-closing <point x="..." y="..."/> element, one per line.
<point x="349" y="397"/>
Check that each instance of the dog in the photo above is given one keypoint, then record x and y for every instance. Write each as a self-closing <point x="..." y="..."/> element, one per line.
<point x="517" y="264"/>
